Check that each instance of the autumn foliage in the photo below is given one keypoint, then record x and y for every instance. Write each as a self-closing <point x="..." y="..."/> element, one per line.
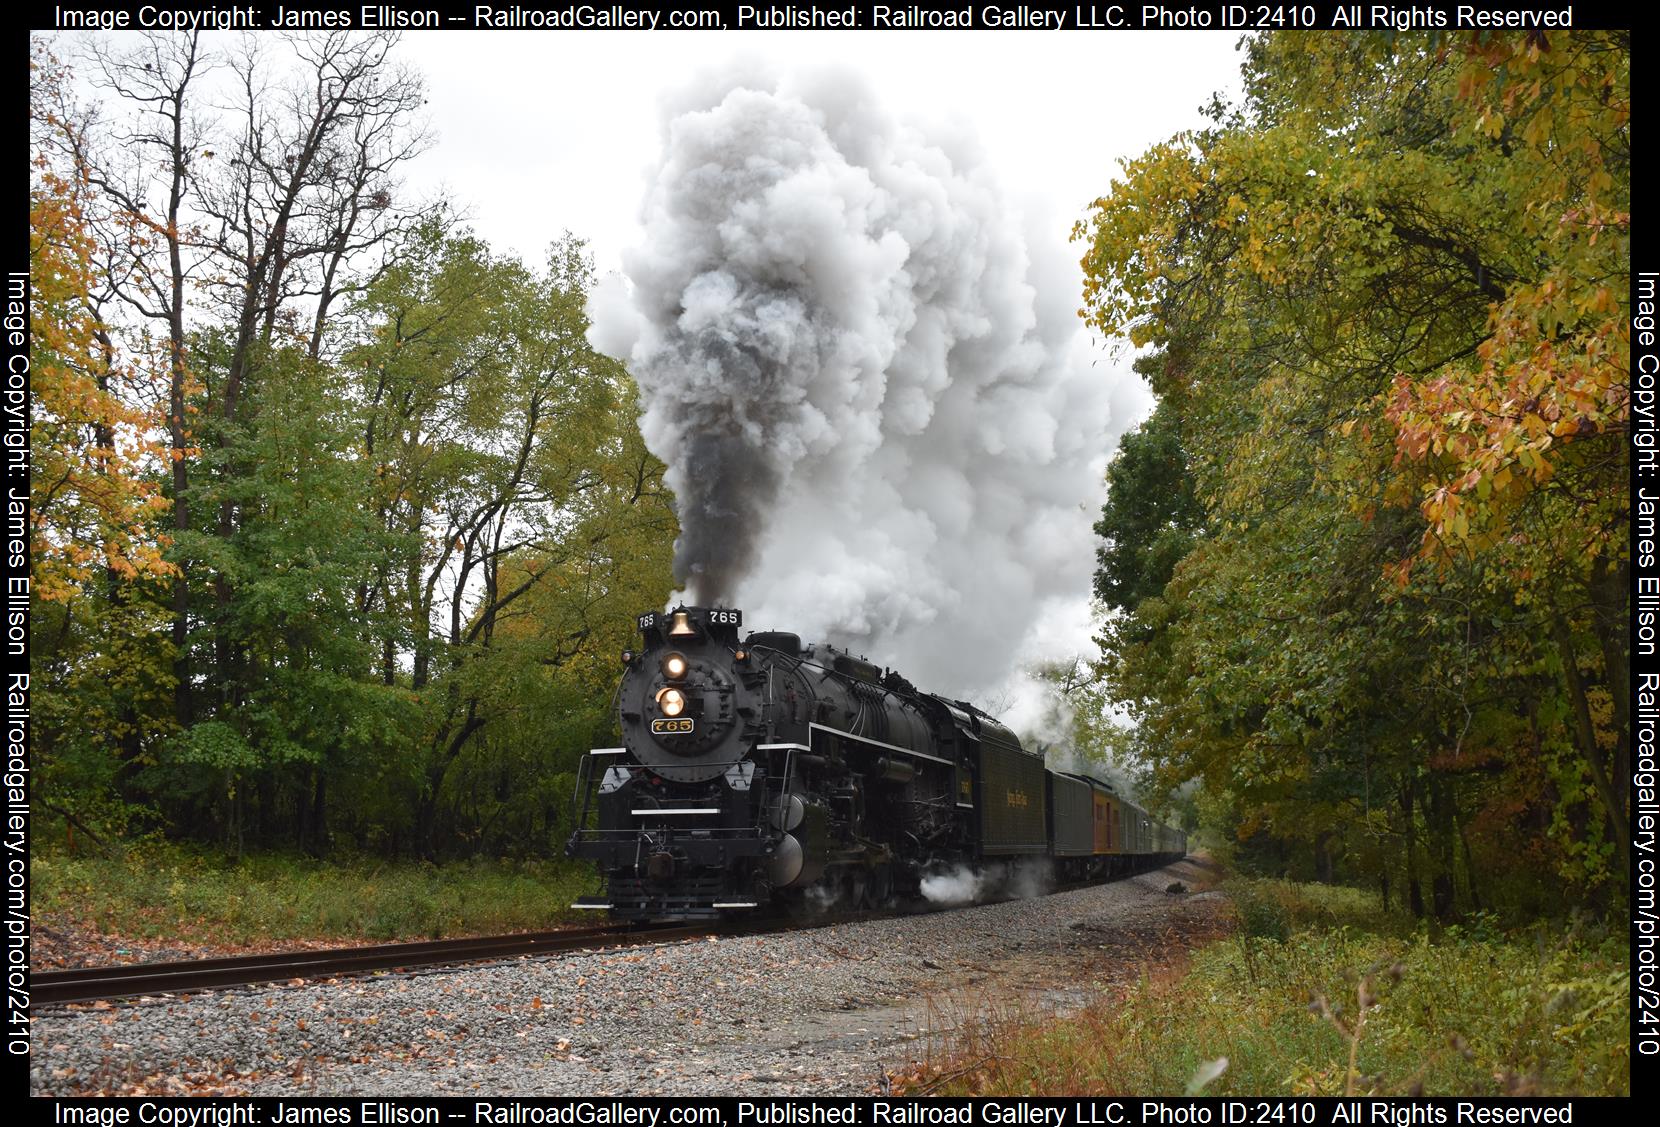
<point x="339" y="519"/>
<point x="1391" y="295"/>
<point x="95" y="503"/>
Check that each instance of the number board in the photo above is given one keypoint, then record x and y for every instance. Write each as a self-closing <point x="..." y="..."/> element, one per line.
<point x="726" y="618"/>
<point x="679" y="727"/>
<point x="647" y="621"/>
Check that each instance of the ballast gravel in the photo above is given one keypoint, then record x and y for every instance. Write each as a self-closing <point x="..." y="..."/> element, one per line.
<point x="826" y="1010"/>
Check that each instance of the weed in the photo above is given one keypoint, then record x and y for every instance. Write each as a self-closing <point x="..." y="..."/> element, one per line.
<point x="1319" y="992"/>
<point x="173" y="892"/>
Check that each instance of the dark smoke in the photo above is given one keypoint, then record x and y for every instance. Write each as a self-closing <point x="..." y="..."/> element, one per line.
<point x="733" y="472"/>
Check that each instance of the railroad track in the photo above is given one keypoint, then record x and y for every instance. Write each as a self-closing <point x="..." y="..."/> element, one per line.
<point x="86" y="984"/>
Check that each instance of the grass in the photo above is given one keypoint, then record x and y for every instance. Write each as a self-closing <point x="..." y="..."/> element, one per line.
<point x="177" y="893"/>
<point x="1318" y="992"/>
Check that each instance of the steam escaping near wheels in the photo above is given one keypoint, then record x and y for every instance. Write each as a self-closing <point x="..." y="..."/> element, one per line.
<point x="875" y="404"/>
<point x="958" y="885"/>
<point x="962" y="884"/>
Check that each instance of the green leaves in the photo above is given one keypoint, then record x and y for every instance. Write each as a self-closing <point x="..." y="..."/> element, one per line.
<point x="215" y="744"/>
<point x="1388" y="290"/>
<point x="1150" y="516"/>
<point x="524" y="519"/>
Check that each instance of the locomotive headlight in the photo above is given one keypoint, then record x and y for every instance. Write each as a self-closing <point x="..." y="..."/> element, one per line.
<point x="672" y="702"/>
<point x="674" y="666"/>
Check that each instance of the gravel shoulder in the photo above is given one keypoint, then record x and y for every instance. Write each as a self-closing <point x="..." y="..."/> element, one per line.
<point x="822" y="1011"/>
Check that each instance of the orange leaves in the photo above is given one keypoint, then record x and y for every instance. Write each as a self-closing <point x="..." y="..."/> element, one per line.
<point x="94" y="416"/>
<point x="1553" y="373"/>
<point x="1484" y="440"/>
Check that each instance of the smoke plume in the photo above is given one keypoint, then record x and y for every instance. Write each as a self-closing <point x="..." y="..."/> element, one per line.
<point x="873" y="399"/>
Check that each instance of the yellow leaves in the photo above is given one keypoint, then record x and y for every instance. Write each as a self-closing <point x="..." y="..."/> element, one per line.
<point x="1523" y="195"/>
<point x="53" y="588"/>
<point x="93" y="510"/>
<point x="1599" y="300"/>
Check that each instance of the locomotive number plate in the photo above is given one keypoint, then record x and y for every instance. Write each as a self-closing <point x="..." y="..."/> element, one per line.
<point x="673" y="727"/>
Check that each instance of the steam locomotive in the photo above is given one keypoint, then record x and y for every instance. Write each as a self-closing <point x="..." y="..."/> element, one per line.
<point x="757" y="768"/>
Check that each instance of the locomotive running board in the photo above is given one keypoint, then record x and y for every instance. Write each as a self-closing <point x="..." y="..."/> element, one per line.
<point x="676" y="810"/>
<point x="590" y="906"/>
<point x="878" y="743"/>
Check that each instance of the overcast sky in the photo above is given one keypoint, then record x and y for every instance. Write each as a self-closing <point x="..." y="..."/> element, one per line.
<point x="543" y="131"/>
<point x="539" y="132"/>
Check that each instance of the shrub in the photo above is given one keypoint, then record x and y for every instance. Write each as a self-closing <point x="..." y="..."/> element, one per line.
<point x="1321" y="993"/>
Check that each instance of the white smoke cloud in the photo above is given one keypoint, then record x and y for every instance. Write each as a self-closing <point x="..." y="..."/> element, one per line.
<point x="1024" y="879"/>
<point x="877" y="409"/>
<point x="959" y="885"/>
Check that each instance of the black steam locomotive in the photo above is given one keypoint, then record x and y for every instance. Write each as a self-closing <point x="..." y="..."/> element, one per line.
<point x="755" y="768"/>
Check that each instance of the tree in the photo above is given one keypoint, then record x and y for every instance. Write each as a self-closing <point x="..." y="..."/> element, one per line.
<point x="411" y="513"/>
<point x="1151" y="513"/>
<point x="96" y="549"/>
<point x="1392" y="285"/>
<point x="142" y="248"/>
<point x="255" y="223"/>
<point x="94" y="506"/>
<point x="528" y="519"/>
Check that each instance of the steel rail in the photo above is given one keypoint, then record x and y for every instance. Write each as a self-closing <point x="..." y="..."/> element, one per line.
<point x="86" y="984"/>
